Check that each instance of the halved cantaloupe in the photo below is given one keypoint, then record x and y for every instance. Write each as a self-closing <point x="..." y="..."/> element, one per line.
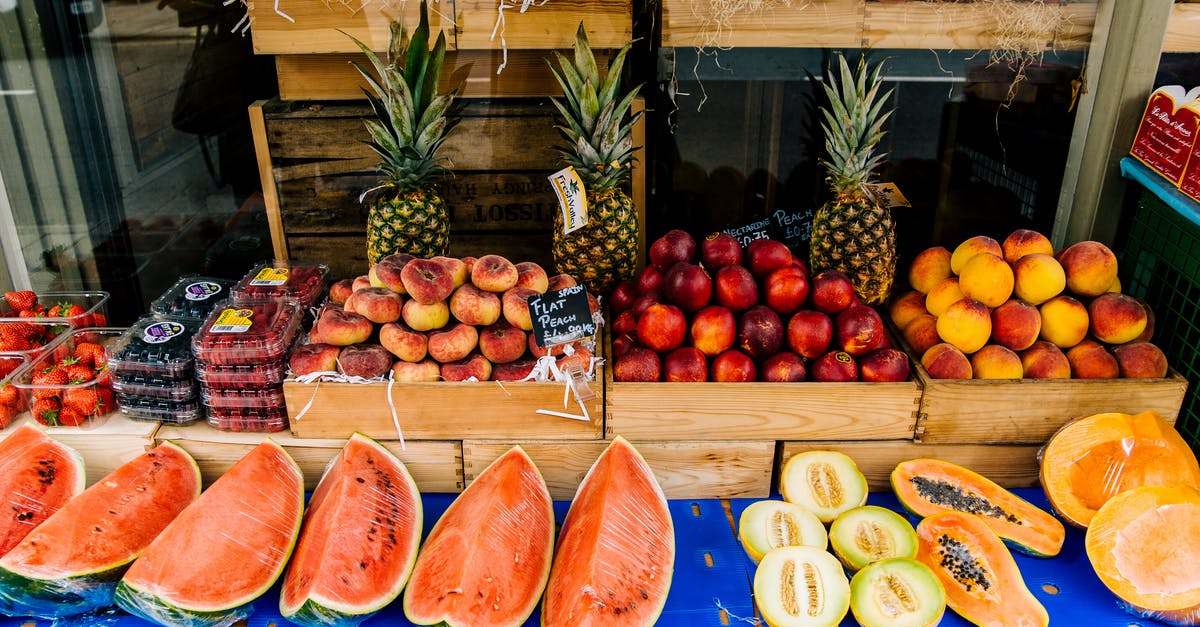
<point x="1134" y="546"/>
<point x="1093" y="459"/>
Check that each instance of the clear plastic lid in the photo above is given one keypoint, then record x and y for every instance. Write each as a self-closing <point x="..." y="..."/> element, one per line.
<point x="91" y="310"/>
<point x="158" y="347"/>
<point x="29" y="336"/>
<point x="181" y="391"/>
<point x="242" y="332"/>
<point x="248" y="419"/>
<point x="158" y="410"/>
<point x="303" y="281"/>
<point x="270" y="398"/>
<point x="192" y="296"/>
<point x="89" y="400"/>
<point x="12" y="402"/>
<point x="241" y="377"/>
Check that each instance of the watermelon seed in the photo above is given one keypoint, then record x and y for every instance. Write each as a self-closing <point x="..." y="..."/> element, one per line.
<point x="362" y="565"/>
<point x="360" y="480"/>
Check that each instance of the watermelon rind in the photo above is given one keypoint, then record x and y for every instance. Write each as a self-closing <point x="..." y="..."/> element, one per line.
<point x="26" y="592"/>
<point x="318" y="610"/>
<point x="150" y="606"/>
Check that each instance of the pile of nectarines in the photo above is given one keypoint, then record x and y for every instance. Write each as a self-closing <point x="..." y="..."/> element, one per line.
<point x="1014" y="309"/>
<point x="434" y="319"/>
<point x="740" y="315"/>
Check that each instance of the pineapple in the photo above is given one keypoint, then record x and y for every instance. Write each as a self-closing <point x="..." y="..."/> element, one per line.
<point x="600" y="148"/>
<point x="412" y="121"/>
<point x="852" y="233"/>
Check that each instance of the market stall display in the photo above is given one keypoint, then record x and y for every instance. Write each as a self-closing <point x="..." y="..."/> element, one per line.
<point x="153" y="370"/>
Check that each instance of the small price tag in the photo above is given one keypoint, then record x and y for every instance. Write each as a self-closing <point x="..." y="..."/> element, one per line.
<point x="746" y="233"/>
<point x="233" y="321"/>
<point x="561" y="317"/>
<point x="887" y="195"/>
<point x="270" y="276"/>
<point x="793" y="227"/>
<point x="572" y="198"/>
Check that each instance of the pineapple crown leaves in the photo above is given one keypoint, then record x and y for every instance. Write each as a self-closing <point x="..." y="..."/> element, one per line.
<point x="599" y="144"/>
<point x="412" y="119"/>
<point x="853" y="124"/>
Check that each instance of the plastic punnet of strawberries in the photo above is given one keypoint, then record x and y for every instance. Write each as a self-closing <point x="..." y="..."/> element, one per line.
<point x="27" y="336"/>
<point x="74" y="389"/>
<point x="26" y="304"/>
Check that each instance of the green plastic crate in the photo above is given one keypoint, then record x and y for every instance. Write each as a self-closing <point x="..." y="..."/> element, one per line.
<point x="1160" y="264"/>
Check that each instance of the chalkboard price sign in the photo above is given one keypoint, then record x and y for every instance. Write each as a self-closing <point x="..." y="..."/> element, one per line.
<point x="746" y="233"/>
<point x="562" y="316"/>
<point x="793" y="227"/>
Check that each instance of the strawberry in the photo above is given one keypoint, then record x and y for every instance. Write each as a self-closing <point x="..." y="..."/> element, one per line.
<point x="7" y="413"/>
<point x="23" y="300"/>
<point x="90" y="354"/>
<point x="23" y="329"/>
<point x="78" y="373"/>
<point x="45" y="411"/>
<point x="99" y="320"/>
<point x="12" y="342"/>
<point x="10" y="396"/>
<point x="53" y="378"/>
<point x="108" y="401"/>
<point x="83" y="400"/>
<point x="70" y="417"/>
<point x="31" y="313"/>
<point x="104" y="376"/>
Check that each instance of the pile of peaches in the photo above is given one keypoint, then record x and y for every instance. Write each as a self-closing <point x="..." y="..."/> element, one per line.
<point x="437" y="319"/>
<point x="715" y="311"/>
<point x="1015" y="309"/>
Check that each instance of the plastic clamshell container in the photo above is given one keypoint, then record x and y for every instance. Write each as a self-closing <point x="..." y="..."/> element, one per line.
<point x="92" y="303"/>
<point x="141" y="408"/>
<point x="62" y="348"/>
<point x="245" y="332"/>
<point x="270" y="398"/>
<point x="241" y="377"/>
<point x="48" y="330"/>
<point x="247" y="419"/>
<point x="303" y="281"/>
<point x="192" y="296"/>
<point x="155" y="347"/>
<point x="9" y="365"/>
<point x="179" y="392"/>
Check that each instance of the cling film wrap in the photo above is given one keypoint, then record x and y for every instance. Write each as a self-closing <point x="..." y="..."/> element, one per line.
<point x="225" y="550"/>
<point x="359" y="539"/>
<point x="38" y="475"/>
<point x="51" y="597"/>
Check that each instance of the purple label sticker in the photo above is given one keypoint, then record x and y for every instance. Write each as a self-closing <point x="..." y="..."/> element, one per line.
<point x="160" y="332"/>
<point x="201" y="290"/>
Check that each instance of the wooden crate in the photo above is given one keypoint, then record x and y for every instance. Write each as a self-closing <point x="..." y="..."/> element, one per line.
<point x="315" y="164"/>
<point x="755" y="411"/>
<point x="1010" y="465"/>
<point x="439" y="411"/>
<point x="685" y="470"/>
<point x="975" y="411"/>
<point x="103" y="447"/>
<point x="436" y="466"/>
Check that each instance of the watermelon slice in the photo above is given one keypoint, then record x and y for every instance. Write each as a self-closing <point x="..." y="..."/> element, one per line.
<point x="616" y="551"/>
<point x="487" y="558"/>
<point x="38" y="475"/>
<point x="71" y="563"/>
<point x="225" y="550"/>
<point x="359" y="540"/>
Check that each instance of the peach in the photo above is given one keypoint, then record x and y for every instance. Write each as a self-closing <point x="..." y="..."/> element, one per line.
<point x="531" y="275"/>
<point x="513" y="370"/>
<point x="1038" y="278"/>
<point x="458" y="270"/>
<point x="1116" y="286"/>
<point x="930" y="267"/>
<point x="501" y="343"/>
<point x="515" y="303"/>
<point x="423" y="317"/>
<point x="311" y="358"/>
<point x="1023" y="242"/>
<point x="389" y="273"/>
<point x="427" y="281"/>
<point x="944" y="361"/>
<point x="1016" y="325"/>
<point x="378" y="304"/>
<point x="557" y="349"/>
<point x="453" y="343"/>
<point x="469" y="262"/>
<point x="403" y="342"/>
<point x="424" y="371"/>
<point x="348" y="305"/>
<point x="581" y="359"/>
<point x="713" y="330"/>
<point x="1148" y="332"/>
<point x="1140" y="360"/>
<point x="971" y="247"/>
<point x="364" y="360"/>
<point x="986" y="278"/>
<point x="921" y="333"/>
<point x="471" y="305"/>
<point x="360" y="282"/>
<point x="340" y="291"/>
<point x="341" y="328"/>
<point x="1090" y="266"/>
<point x="996" y="362"/>
<point x="1064" y="321"/>
<point x="906" y="307"/>
<point x="1045" y="360"/>
<point x="1116" y="318"/>
<point x="1090" y="360"/>
<point x="967" y="324"/>
<point x="493" y="273"/>
<point x="942" y="296"/>
<point x="475" y="366"/>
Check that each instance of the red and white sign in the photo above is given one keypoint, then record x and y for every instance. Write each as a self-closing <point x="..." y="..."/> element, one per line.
<point x="1166" y="138"/>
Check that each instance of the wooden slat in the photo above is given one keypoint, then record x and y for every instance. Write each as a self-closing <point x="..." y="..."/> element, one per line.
<point x="346" y="254"/>
<point x="436" y="466"/>
<point x="316" y="25"/>
<point x="258" y="130"/>
<point x="549" y="25"/>
<point x="1183" y="29"/>
<point x="685" y="470"/>
<point x="1011" y="465"/>
<point x="331" y="77"/>
<point x="978" y="25"/>
<point x="815" y="24"/>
